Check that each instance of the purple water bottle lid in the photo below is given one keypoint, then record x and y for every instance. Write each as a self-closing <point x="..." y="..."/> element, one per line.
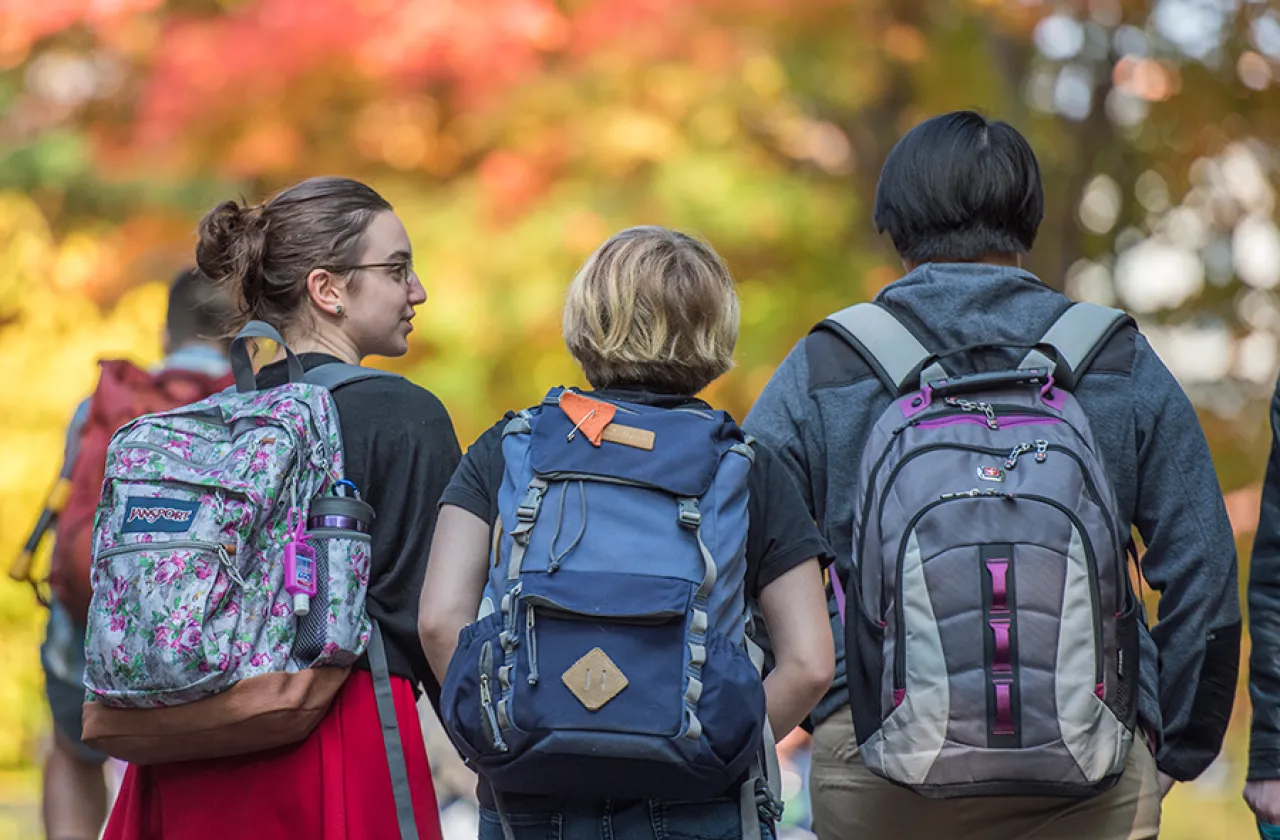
<point x="337" y="523"/>
<point x="341" y="513"/>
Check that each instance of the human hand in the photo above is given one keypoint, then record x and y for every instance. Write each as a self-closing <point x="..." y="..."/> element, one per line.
<point x="1263" y="797"/>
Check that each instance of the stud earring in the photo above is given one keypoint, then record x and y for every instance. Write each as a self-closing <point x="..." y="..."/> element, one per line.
<point x="339" y="310"/>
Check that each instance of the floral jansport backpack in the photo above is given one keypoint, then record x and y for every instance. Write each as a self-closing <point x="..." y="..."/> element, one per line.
<point x="198" y="643"/>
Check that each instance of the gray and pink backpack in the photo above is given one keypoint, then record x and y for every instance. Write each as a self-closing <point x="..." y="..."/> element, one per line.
<point x="991" y="630"/>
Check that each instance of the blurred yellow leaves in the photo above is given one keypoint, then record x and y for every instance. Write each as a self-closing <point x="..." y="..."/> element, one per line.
<point x="764" y="75"/>
<point x="632" y="136"/>
<point x="86" y="265"/>
<point x="48" y="349"/>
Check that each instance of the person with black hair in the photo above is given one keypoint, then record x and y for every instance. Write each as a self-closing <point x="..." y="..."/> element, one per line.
<point x="961" y="198"/>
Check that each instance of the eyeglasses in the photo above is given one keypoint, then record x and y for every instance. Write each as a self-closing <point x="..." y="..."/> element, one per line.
<point x="400" y="271"/>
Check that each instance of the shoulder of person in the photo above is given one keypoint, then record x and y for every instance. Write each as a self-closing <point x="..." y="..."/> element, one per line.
<point x="491" y="438"/>
<point x="1118" y="354"/>
<point x="406" y="394"/>
<point x="763" y="464"/>
<point x="832" y="363"/>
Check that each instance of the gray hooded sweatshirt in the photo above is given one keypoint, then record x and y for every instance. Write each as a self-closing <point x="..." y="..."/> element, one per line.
<point x="820" y="405"/>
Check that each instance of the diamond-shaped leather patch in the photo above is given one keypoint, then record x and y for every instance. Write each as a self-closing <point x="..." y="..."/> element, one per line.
<point x="594" y="679"/>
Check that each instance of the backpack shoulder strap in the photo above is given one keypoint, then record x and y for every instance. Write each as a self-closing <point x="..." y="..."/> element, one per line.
<point x="335" y="375"/>
<point x="1077" y="335"/>
<point x="391" y="741"/>
<point x="892" y="351"/>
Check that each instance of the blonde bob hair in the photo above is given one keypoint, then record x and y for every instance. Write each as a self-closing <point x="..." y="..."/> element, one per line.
<point x="652" y="307"/>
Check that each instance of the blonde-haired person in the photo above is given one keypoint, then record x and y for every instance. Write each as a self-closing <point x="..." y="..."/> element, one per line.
<point x="652" y="318"/>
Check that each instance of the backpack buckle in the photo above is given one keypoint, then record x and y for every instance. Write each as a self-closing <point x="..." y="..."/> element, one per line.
<point x="767" y="804"/>
<point x="689" y="515"/>
<point x="527" y="510"/>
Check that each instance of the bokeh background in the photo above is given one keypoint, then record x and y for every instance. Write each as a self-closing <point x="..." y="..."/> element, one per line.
<point x="513" y="136"/>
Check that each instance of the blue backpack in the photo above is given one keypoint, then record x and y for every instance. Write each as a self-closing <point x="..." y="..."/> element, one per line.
<point x="611" y="658"/>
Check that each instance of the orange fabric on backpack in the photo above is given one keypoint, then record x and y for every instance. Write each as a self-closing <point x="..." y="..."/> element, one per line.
<point x="589" y="416"/>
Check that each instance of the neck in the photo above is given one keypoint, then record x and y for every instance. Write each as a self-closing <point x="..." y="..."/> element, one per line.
<point x="994" y="258"/>
<point x="331" y="341"/>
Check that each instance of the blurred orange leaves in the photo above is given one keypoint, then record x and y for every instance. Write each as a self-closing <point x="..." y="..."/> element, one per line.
<point x="1146" y="78"/>
<point x="24" y="22"/>
<point x="207" y="62"/>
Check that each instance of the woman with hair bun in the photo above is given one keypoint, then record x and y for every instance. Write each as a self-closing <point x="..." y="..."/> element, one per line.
<point x="329" y="265"/>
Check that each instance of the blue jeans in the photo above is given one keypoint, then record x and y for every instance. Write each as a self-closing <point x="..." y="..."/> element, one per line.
<point x="538" y="818"/>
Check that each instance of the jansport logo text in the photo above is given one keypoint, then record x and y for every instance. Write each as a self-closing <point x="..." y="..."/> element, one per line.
<point x="152" y="515"/>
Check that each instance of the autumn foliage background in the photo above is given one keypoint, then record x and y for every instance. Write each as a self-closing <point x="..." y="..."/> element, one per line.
<point x="514" y="135"/>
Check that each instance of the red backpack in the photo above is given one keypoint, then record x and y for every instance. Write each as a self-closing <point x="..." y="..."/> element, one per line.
<point x="124" y="391"/>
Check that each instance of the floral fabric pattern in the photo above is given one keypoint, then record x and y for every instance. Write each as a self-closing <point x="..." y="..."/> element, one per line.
<point x="188" y="571"/>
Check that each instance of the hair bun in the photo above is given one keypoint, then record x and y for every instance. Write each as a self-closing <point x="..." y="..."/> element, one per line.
<point x="231" y="249"/>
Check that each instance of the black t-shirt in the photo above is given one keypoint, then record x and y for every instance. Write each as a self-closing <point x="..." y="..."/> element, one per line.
<point x="780" y="535"/>
<point x="399" y="449"/>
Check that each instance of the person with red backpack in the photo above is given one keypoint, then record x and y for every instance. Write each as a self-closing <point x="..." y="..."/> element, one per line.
<point x="195" y="366"/>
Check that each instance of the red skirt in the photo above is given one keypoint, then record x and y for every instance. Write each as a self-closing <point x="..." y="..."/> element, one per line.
<point x="335" y="785"/>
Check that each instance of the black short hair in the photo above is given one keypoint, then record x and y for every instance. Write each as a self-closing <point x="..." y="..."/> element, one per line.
<point x="959" y="186"/>
<point x="199" y="310"/>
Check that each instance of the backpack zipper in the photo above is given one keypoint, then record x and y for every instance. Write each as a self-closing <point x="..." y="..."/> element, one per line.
<point x="160" y="450"/>
<point x="531" y="640"/>
<point x="1095" y="596"/>
<point x="969" y="405"/>
<point x="224" y="556"/>
<point x="1041" y="448"/>
<point x="1011" y="460"/>
<point x="116" y="550"/>
<point x="486" y="698"/>
<point x="995" y="408"/>
<point x="915" y="421"/>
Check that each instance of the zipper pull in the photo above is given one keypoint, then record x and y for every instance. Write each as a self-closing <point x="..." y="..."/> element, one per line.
<point x="992" y="422"/>
<point x="975" y="493"/>
<point x="486" y="700"/>
<point x="1042" y="451"/>
<point x="531" y="641"/>
<point x="1012" y="460"/>
<point x="970" y="405"/>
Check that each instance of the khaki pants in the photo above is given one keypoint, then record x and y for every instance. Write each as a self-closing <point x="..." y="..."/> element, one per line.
<point x="851" y="803"/>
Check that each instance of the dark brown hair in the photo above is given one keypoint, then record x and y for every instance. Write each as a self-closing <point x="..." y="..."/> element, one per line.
<point x="199" y="309"/>
<point x="263" y="253"/>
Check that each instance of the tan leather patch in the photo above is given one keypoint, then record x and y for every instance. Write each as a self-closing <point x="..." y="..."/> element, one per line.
<point x="255" y="714"/>
<point x="594" y="679"/>
<point x="629" y="436"/>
